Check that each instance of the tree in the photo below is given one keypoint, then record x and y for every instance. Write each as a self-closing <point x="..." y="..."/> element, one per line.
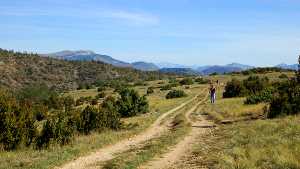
<point x="131" y="104"/>
<point x="298" y="73"/>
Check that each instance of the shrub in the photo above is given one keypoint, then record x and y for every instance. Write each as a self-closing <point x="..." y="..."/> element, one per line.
<point x="283" y="76"/>
<point x="16" y="123"/>
<point x="101" y="89"/>
<point x="201" y="80"/>
<point x="187" y="81"/>
<point x="94" y="101"/>
<point x="68" y="102"/>
<point x="108" y="116"/>
<point x="64" y="129"/>
<point x="213" y="74"/>
<point x="100" y="95"/>
<point x="131" y="104"/>
<point x="46" y="136"/>
<point x="173" y="80"/>
<point x="234" y="88"/>
<point x="286" y="101"/>
<point x="176" y="94"/>
<point x="150" y="90"/>
<point x="88" y="120"/>
<point x="166" y="87"/>
<point x="264" y="96"/>
<point x="58" y="129"/>
<point x="254" y="84"/>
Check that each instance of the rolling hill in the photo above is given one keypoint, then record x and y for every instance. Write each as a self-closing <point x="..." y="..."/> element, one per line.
<point x="20" y="69"/>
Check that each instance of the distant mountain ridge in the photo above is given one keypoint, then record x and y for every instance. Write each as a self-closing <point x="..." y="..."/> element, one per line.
<point x="180" y="71"/>
<point x="286" y="66"/>
<point x="145" y="66"/>
<point x="88" y="55"/>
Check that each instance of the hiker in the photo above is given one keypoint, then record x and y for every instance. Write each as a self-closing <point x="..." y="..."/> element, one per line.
<point x="212" y="92"/>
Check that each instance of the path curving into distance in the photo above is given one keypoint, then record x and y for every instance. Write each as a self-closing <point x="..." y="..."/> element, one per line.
<point x="107" y="153"/>
<point x="168" y="159"/>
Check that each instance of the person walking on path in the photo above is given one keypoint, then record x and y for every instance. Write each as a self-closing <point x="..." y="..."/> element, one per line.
<point x="212" y="92"/>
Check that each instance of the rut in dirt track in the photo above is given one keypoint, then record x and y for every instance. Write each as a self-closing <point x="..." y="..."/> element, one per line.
<point x="168" y="160"/>
<point x="107" y="153"/>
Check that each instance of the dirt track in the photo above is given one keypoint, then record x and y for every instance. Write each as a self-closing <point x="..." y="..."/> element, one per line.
<point x="107" y="153"/>
<point x="176" y="153"/>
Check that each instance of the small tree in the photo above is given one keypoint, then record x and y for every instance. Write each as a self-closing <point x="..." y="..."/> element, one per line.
<point x="88" y="119"/>
<point x="234" y="88"/>
<point x="298" y="73"/>
<point x="131" y="104"/>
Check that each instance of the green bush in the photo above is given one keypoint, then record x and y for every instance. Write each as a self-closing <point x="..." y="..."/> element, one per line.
<point x="58" y="129"/>
<point x="283" y="76"/>
<point x="101" y="88"/>
<point x="254" y="84"/>
<point x="201" y="80"/>
<point x="264" y="96"/>
<point x="286" y="100"/>
<point x="108" y="116"/>
<point x="175" y="94"/>
<point x="100" y="95"/>
<point x="166" y="87"/>
<point x="234" y="88"/>
<point x="88" y="120"/>
<point x="187" y="81"/>
<point x="250" y="86"/>
<point x="46" y="136"/>
<point x="150" y="90"/>
<point x="131" y="104"/>
<point x="16" y="123"/>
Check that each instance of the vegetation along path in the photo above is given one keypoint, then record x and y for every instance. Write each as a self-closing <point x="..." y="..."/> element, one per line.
<point x="199" y="126"/>
<point x="108" y="152"/>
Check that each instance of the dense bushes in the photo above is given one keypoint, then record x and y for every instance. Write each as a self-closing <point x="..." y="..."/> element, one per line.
<point x="251" y="86"/>
<point x="283" y="76"/>
<point x="264" y="96"/>
<point x="286" y="100"/>
<point x="175" y="94"/>
<point x="187" y="81"/>
<point x="234" y="88"/>
<point x="131" y="104"/>
<point x="166" y="87"/>
<point x="254" y="84"/>
<point x="202" y="80"/>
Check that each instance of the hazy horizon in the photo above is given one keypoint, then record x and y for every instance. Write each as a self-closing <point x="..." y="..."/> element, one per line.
<point x="186" y="32"/>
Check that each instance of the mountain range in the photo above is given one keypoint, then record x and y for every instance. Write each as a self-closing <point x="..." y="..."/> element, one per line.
<point x="87" y="55"/>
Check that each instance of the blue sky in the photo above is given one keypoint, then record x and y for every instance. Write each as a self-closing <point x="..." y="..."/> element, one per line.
<point x="255" y="32"/>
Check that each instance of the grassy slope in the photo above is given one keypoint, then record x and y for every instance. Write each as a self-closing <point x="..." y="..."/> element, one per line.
<point x="254" y="144"/>
<point x="83" y="144"/>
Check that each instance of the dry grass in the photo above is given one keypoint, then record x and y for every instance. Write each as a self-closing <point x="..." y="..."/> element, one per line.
<point x="232" y="109"/>
<point x="55" y="156"/>
<point x="255" y="144"/>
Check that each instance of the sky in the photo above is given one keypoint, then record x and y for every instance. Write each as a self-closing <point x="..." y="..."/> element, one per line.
<point x="190" y="32"/>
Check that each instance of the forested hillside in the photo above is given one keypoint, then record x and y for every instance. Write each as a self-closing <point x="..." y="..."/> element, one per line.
<point x="21" y="69"/>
